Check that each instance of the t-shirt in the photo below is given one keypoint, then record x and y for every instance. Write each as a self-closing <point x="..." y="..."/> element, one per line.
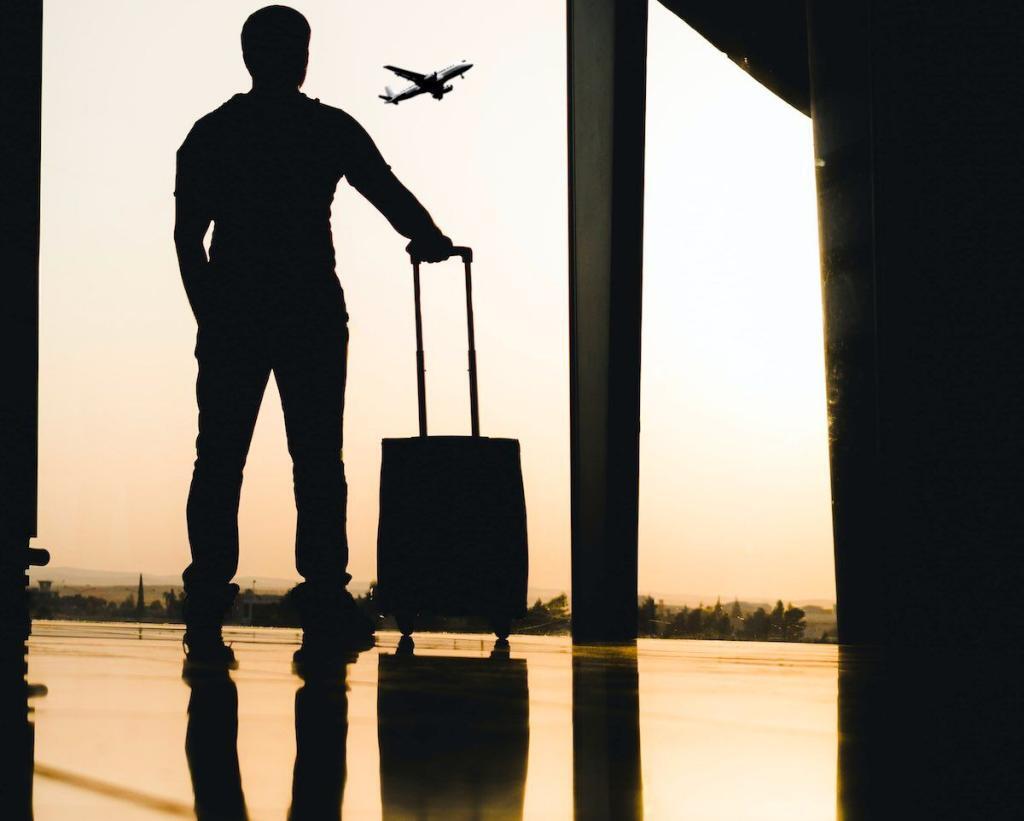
<point x="265" y="168"/>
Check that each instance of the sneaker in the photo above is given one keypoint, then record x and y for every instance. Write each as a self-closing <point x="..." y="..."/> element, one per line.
<point x="205" y="651"/>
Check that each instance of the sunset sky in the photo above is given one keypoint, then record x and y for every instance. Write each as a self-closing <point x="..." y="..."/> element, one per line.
<point x="734" y="470"/>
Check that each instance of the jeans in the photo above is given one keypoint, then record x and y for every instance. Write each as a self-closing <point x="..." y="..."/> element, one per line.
<point x="305" y="346"/>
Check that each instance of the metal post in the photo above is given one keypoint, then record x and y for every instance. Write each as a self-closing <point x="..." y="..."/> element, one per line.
<point x="421" y="373"/>
<point x="474" y="401"/>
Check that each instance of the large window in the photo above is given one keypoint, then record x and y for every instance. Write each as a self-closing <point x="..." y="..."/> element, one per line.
<point x="734" y="461"/>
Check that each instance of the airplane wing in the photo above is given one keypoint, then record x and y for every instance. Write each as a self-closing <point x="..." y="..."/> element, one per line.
<point x="408" y="75"/>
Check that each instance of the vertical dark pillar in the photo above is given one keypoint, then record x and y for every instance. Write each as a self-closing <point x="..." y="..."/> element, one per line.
<point x="607" y="54"/>
<point x="921" y="177"/>
<point x="20" y="96"/>
<point x="841" y="112"/>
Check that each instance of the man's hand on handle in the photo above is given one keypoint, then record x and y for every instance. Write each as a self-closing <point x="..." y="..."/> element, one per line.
<point x="433" y="249"/>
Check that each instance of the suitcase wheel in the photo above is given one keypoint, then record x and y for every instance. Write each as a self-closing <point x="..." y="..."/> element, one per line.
<point x="502" y="626"/>
<point x="406" y="622"/>
<point x="406" y="646"/>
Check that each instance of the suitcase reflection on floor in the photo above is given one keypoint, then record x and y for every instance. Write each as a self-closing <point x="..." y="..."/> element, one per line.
<point x="453" y="735"/>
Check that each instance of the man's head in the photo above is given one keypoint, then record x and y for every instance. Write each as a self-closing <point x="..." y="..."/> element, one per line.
<point x="275" y="46"/>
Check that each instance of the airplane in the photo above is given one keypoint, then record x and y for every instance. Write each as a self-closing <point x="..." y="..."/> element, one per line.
<point x="433" y="84"/>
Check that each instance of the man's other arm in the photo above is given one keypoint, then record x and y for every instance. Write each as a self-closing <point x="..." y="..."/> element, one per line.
<point x="191" y="221"/>
<point x="372" y="177"/>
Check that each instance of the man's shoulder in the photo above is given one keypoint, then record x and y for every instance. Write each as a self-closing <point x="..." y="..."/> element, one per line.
<point x="335" y="117"/>
<point x="207" y="126"/>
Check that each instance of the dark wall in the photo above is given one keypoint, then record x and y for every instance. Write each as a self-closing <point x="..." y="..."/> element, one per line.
<point x="20" y="93"/>
<point x="917" y="131"/>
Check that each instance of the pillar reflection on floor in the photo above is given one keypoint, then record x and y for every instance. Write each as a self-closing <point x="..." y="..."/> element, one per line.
<point x="928" y="734"/>
<point x="607" y="781"/>
<point x="16" y="729"/>
<point x="453" y="733"/>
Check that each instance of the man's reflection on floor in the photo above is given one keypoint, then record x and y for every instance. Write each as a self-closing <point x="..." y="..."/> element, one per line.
<point x="16" y="731"/>
<point x="929" y="735"/>
<point x="211" y="745"/>
<point x="607" y="780"/>
<point x="321" y="735"/>
<point x="454" y="735"/>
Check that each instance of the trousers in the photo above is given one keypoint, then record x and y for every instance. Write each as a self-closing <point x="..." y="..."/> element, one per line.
<point x="305" y="346"/>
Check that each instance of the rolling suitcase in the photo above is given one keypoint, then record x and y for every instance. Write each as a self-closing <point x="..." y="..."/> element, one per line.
<point x="451" y="538"/>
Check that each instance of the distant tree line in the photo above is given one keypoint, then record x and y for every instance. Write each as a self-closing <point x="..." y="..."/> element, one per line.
<point x="546" y="618"/>
<point x="782" y="623"/>
<point x="92" y="608"/>
<point x="551" y="617"/>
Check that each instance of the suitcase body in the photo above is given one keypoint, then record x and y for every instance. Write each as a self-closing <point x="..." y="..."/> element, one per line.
<point x="451" y="538"/>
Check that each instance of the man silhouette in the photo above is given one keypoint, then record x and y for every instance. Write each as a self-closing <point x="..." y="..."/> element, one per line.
<point x="263" y="168"/>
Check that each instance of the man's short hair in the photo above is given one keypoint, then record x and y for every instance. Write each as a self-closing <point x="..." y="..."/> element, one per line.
<point x="275" y="45"/>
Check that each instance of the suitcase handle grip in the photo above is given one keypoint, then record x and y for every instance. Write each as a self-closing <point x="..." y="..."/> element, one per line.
<point x="466" y="254"/>
<point x="463" y="251"/>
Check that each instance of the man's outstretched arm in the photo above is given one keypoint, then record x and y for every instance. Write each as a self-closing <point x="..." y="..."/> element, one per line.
<point x="374" y="179"/>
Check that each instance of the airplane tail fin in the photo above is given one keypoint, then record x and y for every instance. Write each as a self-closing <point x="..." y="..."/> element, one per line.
<point x="388" y="94"/>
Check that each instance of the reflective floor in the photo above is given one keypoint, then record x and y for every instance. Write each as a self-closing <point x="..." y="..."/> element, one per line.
<point x="455" y="729"/>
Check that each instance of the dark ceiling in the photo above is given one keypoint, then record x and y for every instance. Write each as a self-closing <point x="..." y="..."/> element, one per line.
<point x="766" y="38"/>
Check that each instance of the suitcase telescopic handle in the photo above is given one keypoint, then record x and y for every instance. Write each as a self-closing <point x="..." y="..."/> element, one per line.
<point x="421" y="373"/>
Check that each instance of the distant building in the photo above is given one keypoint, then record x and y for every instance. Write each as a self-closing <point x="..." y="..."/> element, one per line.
<point x="259" y="608"/>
